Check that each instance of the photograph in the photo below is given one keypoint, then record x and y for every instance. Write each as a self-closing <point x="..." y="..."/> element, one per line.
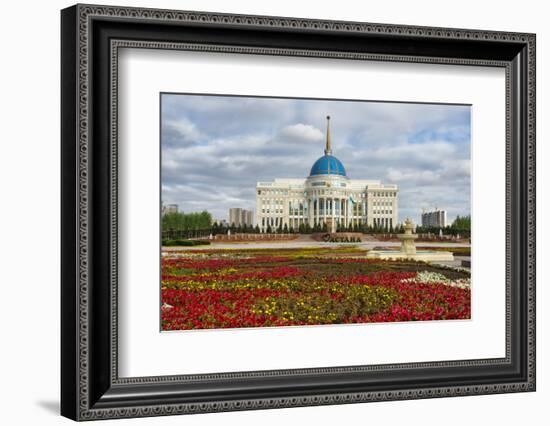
<point x="280" y="212"/>
<point x="267" y="207"/>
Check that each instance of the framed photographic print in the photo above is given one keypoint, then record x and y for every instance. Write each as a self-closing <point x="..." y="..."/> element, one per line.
<point x="263" y="212"/>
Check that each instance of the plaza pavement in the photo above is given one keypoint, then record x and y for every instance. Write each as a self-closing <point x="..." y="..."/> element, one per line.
<point x="303" y="243"/>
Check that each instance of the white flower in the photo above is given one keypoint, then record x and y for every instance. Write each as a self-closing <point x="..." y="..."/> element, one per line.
<point x="427" y="277"/>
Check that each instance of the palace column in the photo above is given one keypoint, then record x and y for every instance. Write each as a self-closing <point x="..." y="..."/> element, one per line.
<point x="333" y="210"/>
<point x="330" y="207"/>
<point x="313" y="205"/>
<point x="335" y="213"/>
<point x="317" y="212"/>
<point x="346" y="204"/>
<point x="331" y="204"/>
<point x="350" y="212"/>
<point x="326" y="204"/>
<point x="326" y="208"/>
<point x="347" y="211"/>
<point x="341" y="213"/>
<point x="343" y="202"/>
<point x="340" y="210"/>
<point x="323" y="216"/>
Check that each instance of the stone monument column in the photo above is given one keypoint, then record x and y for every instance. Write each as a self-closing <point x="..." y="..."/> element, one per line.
<point x="407" y="239"/>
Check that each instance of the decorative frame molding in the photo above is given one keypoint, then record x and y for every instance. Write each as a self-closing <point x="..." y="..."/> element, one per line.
<point x="91" y="37"/>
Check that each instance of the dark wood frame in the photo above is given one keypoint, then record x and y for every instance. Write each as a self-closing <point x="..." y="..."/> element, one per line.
<point x="90" y="386"/>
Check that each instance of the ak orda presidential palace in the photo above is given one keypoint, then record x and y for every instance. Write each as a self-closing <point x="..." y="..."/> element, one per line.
<point x="327" y="196"/>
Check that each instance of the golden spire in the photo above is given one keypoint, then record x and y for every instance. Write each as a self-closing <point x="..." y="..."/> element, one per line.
<point x="328" y="149"/>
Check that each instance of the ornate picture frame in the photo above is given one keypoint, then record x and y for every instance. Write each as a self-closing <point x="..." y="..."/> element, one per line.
<point x="91" y="38"/>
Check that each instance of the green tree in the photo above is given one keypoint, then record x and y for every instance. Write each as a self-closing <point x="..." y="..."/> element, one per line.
<point x="462" y="222"/>
<point x="180" y="221"/>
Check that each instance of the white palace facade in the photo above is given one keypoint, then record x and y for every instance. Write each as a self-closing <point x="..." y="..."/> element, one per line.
<point x="327" y="196"/>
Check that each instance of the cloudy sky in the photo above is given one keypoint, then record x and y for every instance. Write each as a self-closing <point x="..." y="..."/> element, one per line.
<point x="215" y="148"/>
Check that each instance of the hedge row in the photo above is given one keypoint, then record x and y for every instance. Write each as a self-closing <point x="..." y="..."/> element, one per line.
<point x="185" y="242"/>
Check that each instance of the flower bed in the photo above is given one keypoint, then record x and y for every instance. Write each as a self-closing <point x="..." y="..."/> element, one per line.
<point x="232" y="289"/>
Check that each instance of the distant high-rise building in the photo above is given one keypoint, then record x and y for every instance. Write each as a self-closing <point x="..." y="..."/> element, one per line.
<point x="434" y="218"/>
<point x="234" y="216"/>
<point x="248" y="217"/>
<point x="240" y="217"/>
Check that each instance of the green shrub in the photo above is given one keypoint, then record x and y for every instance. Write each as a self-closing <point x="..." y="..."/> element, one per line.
<point x="186" y="243"/>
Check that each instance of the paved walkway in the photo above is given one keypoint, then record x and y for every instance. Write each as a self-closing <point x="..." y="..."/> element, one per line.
<point x="303" y="243"/>
<point x="455" y="263"/>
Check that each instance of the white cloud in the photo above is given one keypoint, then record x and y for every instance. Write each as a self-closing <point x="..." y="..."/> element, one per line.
<point x="457" y="169"/>
<point x="432" y="152"/>
<point x="214" y="149"/>
<point x="302" y="132"/>
<point x="412" y="176"/>
<point x="183" y="131"/>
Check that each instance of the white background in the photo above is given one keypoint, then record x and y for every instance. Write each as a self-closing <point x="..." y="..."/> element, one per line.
<point x="29" y="218"/>
<point x="192" y="352"/>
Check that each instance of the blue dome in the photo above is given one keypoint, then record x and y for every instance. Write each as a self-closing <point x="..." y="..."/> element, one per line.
<point x="328" y="165"/>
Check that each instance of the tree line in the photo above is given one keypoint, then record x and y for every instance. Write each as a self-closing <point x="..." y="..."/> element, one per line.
<point x="201" y="223"/>
<point x="179" y="221"/>
<point x="461" y="225"/>
<point x="302" y="229"/>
